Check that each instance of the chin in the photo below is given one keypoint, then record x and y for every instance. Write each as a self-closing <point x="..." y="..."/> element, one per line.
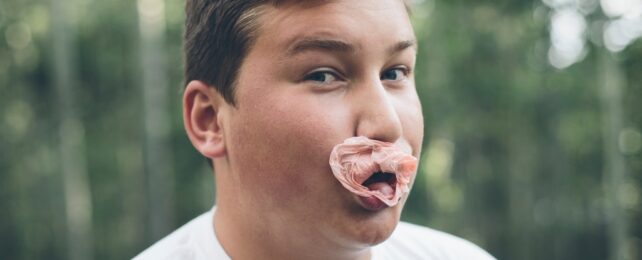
<point x="371" y="228"/>
<point x="375" y="236"/>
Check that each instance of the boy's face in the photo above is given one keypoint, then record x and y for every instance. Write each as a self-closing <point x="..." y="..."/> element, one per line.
<point x="316" y="75"/>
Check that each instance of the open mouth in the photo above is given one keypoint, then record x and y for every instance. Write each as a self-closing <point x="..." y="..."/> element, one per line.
<point x="379" y="180"/>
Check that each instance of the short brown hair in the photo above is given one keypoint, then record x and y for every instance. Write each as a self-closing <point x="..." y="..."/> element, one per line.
<point x="217" y="36"/>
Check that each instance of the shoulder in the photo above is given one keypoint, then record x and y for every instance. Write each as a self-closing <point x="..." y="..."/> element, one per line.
<point x="194" y="240"/>
<point x="410" y="241"/>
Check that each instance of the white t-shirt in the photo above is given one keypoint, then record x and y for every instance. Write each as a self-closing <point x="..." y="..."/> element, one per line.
<point x="196" y="241"/>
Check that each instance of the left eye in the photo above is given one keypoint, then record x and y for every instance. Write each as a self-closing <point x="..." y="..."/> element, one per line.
<point x="393" y="74"/>
<point x="321" y="77"/>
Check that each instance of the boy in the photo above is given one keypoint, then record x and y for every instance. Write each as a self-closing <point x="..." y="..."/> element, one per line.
<point x="272" y="87"/>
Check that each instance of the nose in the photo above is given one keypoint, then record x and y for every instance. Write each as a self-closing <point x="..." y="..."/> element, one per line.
<point x="377" y="117"/>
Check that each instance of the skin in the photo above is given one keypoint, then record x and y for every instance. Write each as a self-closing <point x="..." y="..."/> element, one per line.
<point x="316" y="75"/>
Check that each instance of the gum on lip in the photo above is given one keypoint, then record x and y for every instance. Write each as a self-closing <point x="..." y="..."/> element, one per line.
<point x="372" y="168"/>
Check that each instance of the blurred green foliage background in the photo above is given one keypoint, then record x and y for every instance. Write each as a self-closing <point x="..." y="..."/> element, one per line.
<point x="533" y="145"/>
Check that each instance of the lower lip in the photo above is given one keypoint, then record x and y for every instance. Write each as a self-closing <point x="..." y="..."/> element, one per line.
<point x="372" y="203"/>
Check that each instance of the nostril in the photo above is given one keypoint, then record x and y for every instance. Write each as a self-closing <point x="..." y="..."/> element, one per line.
<point x="380" y="128"/>
<point x="387" y="134"/>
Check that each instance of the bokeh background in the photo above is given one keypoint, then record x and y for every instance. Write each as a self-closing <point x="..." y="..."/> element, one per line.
<point x="533" y="145"/>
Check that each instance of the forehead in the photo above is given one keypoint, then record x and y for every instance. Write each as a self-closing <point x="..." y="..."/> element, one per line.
<point x="361" y="23"/>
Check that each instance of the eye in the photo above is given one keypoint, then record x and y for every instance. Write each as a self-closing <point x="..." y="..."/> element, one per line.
<point x="321" y="77"/>
<point x="394" y="74"/>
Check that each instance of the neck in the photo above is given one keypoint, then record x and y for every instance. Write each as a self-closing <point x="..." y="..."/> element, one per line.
<point x="247" y="231"/>
<point x="243" y="239"/>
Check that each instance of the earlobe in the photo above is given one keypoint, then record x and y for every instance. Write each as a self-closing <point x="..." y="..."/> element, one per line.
<point x="201" y="112"/>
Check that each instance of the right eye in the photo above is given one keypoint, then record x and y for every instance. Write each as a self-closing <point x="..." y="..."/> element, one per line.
<point x="321" y="77"/>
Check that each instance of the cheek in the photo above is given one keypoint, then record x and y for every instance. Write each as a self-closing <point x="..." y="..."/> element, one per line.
<point x="291" y="138"/>
<point x="308" y="130"/>
<point x="412" y="120"/>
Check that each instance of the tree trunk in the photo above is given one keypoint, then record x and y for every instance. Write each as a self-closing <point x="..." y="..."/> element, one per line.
<point x="612" y="83"/>
<point x="158" y="156"/>
<point x="72" y="140"/>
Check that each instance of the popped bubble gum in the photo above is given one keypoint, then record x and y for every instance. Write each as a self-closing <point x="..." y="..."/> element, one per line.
<point x="359" y="158"/>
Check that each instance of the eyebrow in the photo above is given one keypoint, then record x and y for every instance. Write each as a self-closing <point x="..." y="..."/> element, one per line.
<point x="330" y="45"/>
<point x="311" y="44"/>
<point x="402" y="45"/>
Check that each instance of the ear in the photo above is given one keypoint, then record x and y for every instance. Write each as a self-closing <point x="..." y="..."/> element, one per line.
<point x="201" y="118"/>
